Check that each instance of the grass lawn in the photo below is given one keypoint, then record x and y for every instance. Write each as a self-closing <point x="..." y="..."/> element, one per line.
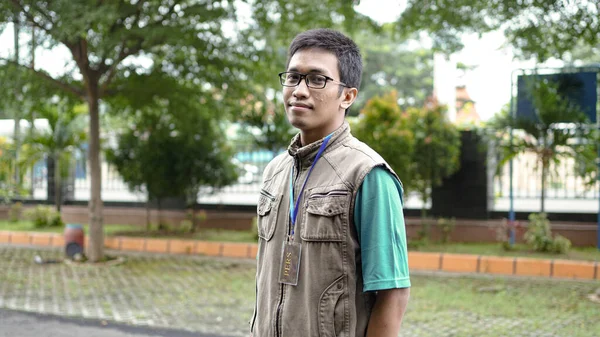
<point x="140" y="231"/>
<point x="27" y="226"/>
<point x="576" y="253"/>
<point x="504" y="307"/>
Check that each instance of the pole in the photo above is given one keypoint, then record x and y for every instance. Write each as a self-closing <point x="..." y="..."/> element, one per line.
<point x="598" y="180"/>
<point x="511" y="210"/>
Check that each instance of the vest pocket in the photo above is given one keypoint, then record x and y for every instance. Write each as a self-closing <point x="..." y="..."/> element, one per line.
<point x="332" y="311"/>
<point x="267" y="214"/>
<point x="325" y="216"/>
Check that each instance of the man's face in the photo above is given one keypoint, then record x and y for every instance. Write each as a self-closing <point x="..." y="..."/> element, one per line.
<point x="316" y="112"/>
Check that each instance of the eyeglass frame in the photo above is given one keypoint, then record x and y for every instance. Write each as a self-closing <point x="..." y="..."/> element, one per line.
<point x="305" y="77"/>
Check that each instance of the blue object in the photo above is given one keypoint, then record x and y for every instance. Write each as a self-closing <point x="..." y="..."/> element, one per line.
<point x="294" y="208"/>
<point x="511" y="209"/>
<point x="579" y="88"/>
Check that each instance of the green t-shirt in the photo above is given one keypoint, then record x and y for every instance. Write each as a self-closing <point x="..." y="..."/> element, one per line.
<point x="379" y="223"/>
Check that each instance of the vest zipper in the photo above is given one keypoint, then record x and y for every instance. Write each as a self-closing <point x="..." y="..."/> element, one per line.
<point x="289" y="228"/>
<point x="277" y="332"/>
<point x="255" y="308"/>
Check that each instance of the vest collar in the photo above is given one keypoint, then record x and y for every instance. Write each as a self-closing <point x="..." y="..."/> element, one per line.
<point x="306" y="154"/>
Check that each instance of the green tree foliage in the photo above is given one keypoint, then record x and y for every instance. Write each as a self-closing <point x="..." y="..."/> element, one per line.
<point x="420" y="144"/>
<point x="386" y="129"/>
<point x="267" y="124"/>
<point x="437" y="148"/>
<point x="7" y="159"/>
<point x="172" y="147"/>
<point x="389" y="64"/>
<point x="540" y="29"/>
<point x="67" y="132"/>
<point x="559" y="132"/>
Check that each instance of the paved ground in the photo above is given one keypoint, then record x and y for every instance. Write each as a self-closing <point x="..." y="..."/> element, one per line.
<point x="215" y="296"/>
<point x="193" y="293"/>
<point x="21" y="324"/>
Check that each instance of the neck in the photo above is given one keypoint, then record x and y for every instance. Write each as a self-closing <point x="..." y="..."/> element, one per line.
<point x="311" y="136"/>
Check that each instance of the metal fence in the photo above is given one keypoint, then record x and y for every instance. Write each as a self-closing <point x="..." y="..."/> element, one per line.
<point x="566" y="192"/>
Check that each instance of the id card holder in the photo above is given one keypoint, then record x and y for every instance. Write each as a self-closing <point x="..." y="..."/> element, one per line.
<point x="290" y="263"/>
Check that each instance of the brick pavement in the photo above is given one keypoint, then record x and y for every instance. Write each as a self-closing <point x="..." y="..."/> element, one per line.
<point x="203" y="294"/>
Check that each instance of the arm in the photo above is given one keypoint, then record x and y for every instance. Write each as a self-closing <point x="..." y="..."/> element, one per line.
<point x="388" y="311"/>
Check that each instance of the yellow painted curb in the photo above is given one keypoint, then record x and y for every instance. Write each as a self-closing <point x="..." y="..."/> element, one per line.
<point x="424" y="261"/>
<point x="463" y="263"/>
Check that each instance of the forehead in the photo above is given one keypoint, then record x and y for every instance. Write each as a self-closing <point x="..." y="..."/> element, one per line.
<point x="314" y="60"/>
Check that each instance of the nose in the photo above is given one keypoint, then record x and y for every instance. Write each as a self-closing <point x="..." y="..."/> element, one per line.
<point x="301" y="90"/>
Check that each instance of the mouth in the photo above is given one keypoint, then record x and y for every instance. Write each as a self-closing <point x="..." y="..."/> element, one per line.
<point x="299" y="106"/>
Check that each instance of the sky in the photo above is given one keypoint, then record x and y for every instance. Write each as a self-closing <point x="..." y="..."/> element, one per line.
<point x="488" y="83"/>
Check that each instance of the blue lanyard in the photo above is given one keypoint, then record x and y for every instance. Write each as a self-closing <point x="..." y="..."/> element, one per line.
<point x="294" y="208"/>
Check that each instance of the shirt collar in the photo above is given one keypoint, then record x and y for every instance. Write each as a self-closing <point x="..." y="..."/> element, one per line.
<point x="308" y="152"/>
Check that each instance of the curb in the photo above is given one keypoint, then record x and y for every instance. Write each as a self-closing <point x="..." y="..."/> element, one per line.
<point x="168" y="246"/>
<point x="461" y="263"/>
<point x="516" y="266"/>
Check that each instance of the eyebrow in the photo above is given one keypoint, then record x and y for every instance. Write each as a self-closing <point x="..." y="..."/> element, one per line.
<point x="311" y="71"/>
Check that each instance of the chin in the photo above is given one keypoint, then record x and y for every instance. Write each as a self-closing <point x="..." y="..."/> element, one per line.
<point x="297" y="122"/>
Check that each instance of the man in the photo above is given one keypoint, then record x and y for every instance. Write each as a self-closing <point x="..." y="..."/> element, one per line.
<point x="332" y="255"/>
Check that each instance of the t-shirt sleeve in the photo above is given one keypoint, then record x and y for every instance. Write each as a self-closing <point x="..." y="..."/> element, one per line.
<point x="379" y="221"/>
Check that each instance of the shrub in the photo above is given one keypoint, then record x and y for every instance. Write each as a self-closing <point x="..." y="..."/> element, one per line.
<point x="561" y="244"/>
<point x="424" y="232"/>
<point x="44" y="216"/>
<point x="539" y="236"/>
<point x="195" y="219"/>
<point x="15" y="212"/>
<point x="446" y="227"/>
<point x="503" y="233"/>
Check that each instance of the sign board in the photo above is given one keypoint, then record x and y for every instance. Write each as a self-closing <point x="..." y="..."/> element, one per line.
<point x="579" y="88"/>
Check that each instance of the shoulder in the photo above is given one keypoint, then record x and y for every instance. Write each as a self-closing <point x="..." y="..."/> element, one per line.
<point x="356" y="159"/>
<point x="363" y="151"/>
<point x="381" y="175"/>
<point x="353" y="153"/>
<point x="276" y="165"/>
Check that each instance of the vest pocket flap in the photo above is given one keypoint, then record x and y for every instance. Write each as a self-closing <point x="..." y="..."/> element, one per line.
<point x="325" y="218"/>
<point x="327" y="206"/>
<point x="264" y="206"/>
<point x="267" y="215"/>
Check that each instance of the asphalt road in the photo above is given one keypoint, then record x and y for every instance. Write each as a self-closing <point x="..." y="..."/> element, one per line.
<point x="23" y="324"/>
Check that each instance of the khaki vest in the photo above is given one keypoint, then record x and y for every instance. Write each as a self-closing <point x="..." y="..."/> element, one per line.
<point x="328" y="300"/>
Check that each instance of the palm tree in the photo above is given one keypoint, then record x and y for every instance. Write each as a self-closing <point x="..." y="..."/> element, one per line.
<point x="559" y="130"/>
<point x="65" y="133"/>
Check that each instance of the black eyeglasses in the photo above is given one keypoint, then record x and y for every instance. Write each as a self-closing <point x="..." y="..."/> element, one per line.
<point x="315" y="81"/>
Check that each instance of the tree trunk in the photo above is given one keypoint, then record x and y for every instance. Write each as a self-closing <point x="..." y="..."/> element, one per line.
<point x="545" y="164"/>
<point x="424" y="199"/>
<point x="96" y="246"/>
<point x="57" y="184"/>
<point x="148" y="213"/>
<point x="160" y="221"/>
<point x="17" y="114"/>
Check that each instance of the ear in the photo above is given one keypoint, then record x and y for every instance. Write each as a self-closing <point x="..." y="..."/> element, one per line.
<point x="348" y="97"/>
